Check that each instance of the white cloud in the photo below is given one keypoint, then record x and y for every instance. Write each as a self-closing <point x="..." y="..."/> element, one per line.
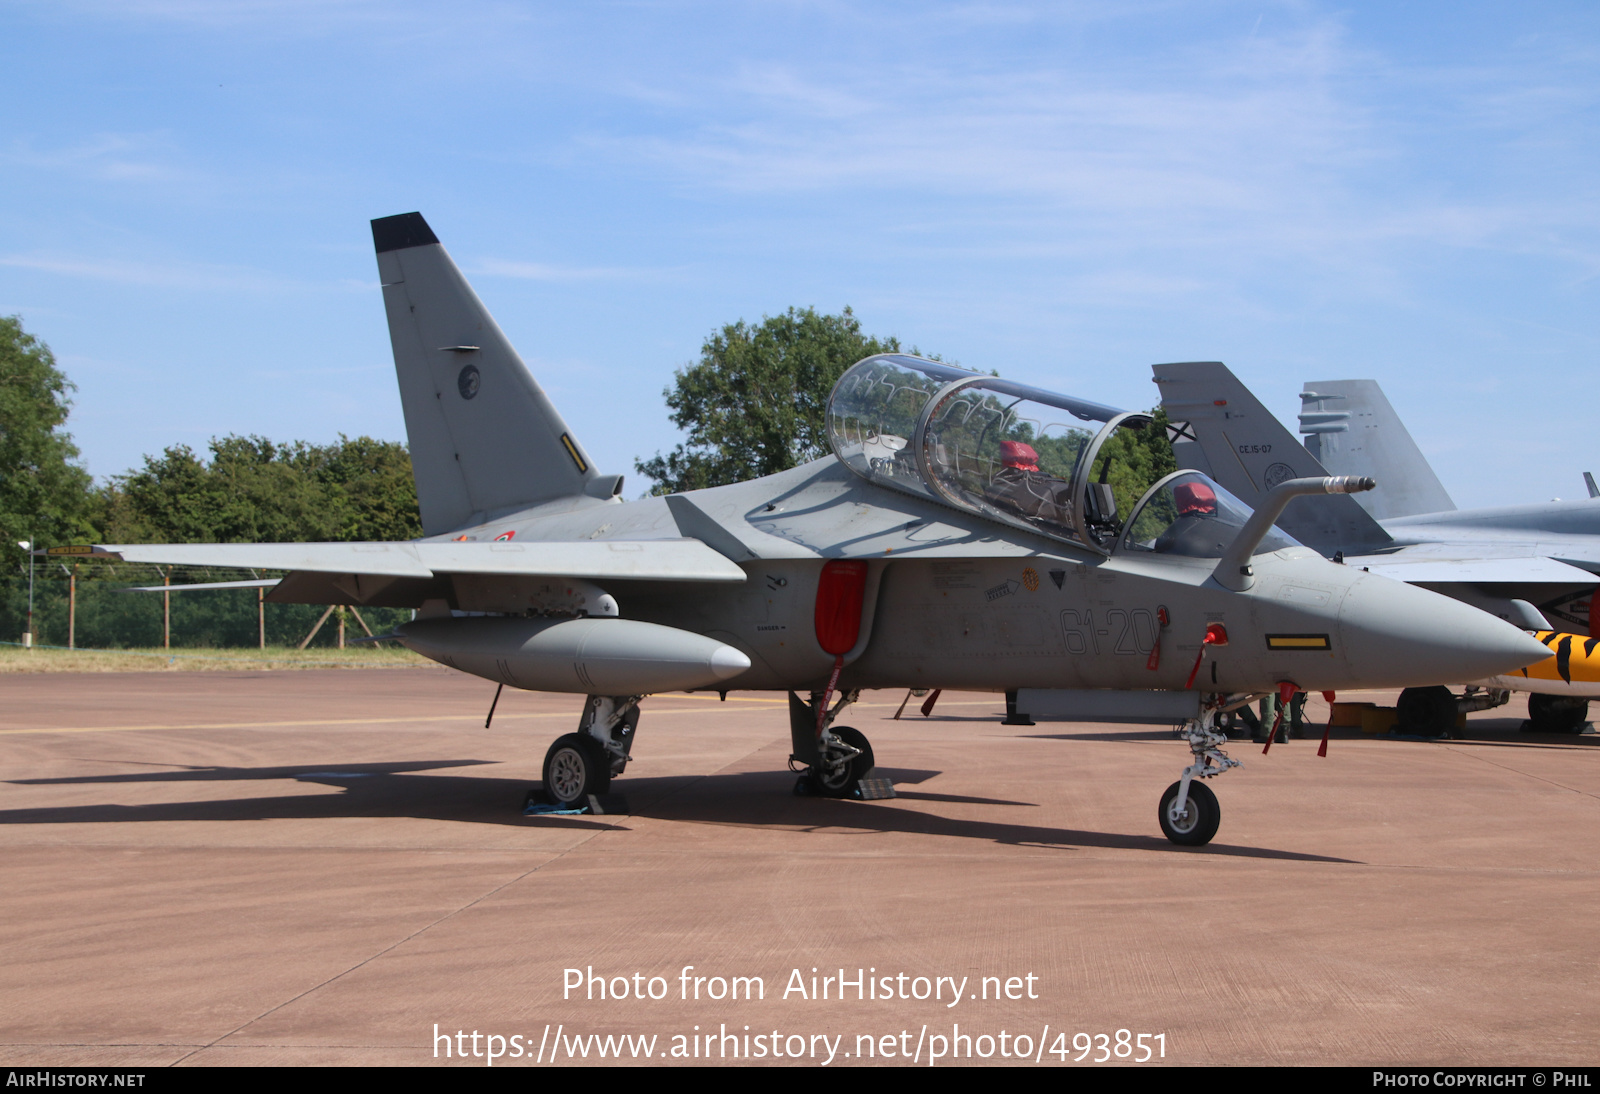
<point x="541" y="271"/>
<point x="111" y="157"/>
<point x="189" y="276"/>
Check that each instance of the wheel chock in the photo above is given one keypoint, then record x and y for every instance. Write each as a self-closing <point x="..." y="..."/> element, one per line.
<point x="869" y="790"/>
<point x="614" y="805"/>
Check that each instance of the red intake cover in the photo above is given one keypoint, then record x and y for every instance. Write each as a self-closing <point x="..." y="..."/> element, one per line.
<point x="839" y="596"/>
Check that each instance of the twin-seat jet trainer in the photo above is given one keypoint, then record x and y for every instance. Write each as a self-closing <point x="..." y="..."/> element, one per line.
<point x="967" y="532"/>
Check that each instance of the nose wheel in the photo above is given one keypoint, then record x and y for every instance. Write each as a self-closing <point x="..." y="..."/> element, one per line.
<point x="1193" y="823"/>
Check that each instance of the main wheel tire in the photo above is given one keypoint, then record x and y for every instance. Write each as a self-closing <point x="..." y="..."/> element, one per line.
<point x="1199" y="819"/>
<point x="841" y="781"/>
<point x="575" y="767"/>
<point x="1427" y="712"/>
<point x="1557" y="713"/>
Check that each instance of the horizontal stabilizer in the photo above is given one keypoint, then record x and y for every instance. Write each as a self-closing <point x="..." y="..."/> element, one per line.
<point x="655" y="559"/>
<point x="1433" y="567"/>
<point x="265" y="583"/>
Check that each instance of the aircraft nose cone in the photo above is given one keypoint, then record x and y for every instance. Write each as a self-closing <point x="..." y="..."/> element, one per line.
<point x="1412" y="637"/>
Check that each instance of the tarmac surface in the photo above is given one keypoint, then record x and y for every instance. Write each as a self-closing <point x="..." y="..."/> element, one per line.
<point x="332" y="867"/>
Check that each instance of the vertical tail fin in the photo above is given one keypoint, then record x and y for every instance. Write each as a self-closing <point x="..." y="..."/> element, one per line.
<point x="1352" y="429"/>
<point x="1248" y="451"/>
<point x="484" y="438"/>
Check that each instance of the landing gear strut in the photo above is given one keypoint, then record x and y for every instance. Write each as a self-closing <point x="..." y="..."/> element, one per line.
<point x="1189" y="813"/>
<point x="838" y="762"/>
<point x="583" y="763"/>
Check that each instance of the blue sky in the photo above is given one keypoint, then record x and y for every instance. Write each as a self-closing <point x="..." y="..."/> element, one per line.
<point x="1066" y="193"/>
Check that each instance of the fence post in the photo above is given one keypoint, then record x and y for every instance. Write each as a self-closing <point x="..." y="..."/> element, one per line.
<point x="306" y="641"/>
<point x="72" y="608"/>
<point x="166" y="612"/>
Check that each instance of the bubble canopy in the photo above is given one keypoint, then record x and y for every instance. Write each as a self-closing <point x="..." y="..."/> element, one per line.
<point x="1007" y="451"/>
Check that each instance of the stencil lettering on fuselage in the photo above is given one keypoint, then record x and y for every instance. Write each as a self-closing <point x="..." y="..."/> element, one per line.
<point x="955" y="575"/>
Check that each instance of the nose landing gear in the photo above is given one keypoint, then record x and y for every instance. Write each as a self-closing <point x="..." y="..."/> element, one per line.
<point x="1189" y="812"/>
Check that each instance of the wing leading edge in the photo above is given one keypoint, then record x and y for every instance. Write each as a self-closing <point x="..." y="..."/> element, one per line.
<point x="686" y="560"/>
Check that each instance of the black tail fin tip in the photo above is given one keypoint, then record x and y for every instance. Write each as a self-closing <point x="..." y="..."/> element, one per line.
<point x="396" y="233"/>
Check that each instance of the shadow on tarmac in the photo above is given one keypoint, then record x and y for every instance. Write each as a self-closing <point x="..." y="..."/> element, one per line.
<point x="1498" y="733"/>
<point x="752" y="800"/>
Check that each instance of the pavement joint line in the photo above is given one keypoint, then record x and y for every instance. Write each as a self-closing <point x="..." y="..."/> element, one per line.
<point x="411" y="719"/>
<point x="1526" y="774"/>
<point x="387" y="949"/>
<point x="95" y="1044"/>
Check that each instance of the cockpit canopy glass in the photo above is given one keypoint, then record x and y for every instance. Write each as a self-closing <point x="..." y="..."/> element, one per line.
<point x="1188" y="514"/>
<point x="990" y="446"/>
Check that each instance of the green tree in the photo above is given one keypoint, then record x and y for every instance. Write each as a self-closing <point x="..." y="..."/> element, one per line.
<point x="373" y="478"/>
<point x="753" y="405"/>
<point x="256" y="491"/>
<point x="1133" y="460"/>
<point x="44" y="492"/>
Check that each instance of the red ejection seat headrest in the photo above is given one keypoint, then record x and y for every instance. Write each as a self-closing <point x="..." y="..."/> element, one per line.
<point x="1019" y="455"/>
<point x="1195" y="497"/>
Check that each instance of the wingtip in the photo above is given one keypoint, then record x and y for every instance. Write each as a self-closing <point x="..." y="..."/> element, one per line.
<point x="401" y="231"/>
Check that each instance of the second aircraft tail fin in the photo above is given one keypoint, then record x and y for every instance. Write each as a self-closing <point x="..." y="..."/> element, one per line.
<point x="1351" y="428"/>
<point x="1247" y="451"/>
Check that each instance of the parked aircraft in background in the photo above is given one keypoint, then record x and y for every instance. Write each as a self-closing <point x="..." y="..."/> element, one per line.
<point x="967" y="532"/>
<point x="1532" y="565"/>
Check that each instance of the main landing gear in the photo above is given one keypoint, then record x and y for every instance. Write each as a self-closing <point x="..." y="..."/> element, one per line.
<point x="1189" y="813"/>
<point x="1435" y="711"/>
<point x="584" y="763"/>
<point x="837" y="763"/>
<point x="1556" y="714"/>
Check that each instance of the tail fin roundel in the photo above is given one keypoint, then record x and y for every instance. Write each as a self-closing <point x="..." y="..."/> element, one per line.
<point x="485" y="440"/>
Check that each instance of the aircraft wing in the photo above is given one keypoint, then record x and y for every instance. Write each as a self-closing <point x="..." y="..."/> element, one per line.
<point x="655" y="559"/>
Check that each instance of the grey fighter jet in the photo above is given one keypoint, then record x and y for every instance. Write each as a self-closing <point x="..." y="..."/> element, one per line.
<point x="1533" y="565"/>
<point x="967" y="532"/>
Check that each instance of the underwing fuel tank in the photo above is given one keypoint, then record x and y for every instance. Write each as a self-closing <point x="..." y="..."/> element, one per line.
<point x="584" y="656"/>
